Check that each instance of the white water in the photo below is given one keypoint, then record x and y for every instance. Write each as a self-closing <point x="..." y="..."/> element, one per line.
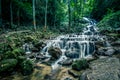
<point x="78" y="46"/>
<point x="74" y="46"/>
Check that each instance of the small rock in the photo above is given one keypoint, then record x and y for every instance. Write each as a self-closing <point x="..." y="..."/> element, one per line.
<point x="116" y="43"/>
<point x="35" y="49"/>
<point x="68" y="78"/>
<point x="66" y="62"/>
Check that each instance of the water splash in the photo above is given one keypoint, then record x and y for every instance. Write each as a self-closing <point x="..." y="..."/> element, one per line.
<point x="75" y="46"/>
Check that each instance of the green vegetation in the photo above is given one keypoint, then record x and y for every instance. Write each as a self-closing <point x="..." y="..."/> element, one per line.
<point x="11" y="58"/>
<point x="7" y="65"/>
<point x="26" y="67"/>
<point x="110" y="22"/>
<point x="80" y="65"/>
<point x="104" y="7"/>
<point x="34" y="21"/>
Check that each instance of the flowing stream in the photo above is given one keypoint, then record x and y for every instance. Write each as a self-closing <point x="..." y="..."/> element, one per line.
<point x="75" y="46"/>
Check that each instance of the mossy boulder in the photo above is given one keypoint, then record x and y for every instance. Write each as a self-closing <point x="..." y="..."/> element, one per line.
<point x="7" y="65"/>
<point x="80" y="65"/>
<point x="26" y="67"/>
<point x="55" y="52"/>
<point x="39" y="45"/>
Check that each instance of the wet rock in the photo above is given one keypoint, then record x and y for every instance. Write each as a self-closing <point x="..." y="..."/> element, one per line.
<point x="39" y="45"/>
<point x="99" y="44"/>
<point x="72" y="54"/>
<point x="55" y="52"/>
<point x="118" y="30"/>
<point x="68" y="78"/>
<point x="31" y="56"/>
<point x="88" y="33"/>
<point x="116" y="43"/>
<point x="66" y="62"/>
<point x="117" y="49"/>
<point x="35" y="49"/>
<point x="106" y="51"/>
<point x="41" y="57"/>
<point x="38" y="57"/>
<point x="47" y="77"/>
<point x="103" y="69"/>
<point x="73" y="74"/>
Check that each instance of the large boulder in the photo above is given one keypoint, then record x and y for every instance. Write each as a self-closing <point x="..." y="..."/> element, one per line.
<point x="103" y="69"/>
<point x="8" y="65"/>
<point x="72" y="54"/>
<point x="106" y="51"/>
<point x="55" y="52"/>
<point x="39" y="45"/>
<point x="99" y="44"/>
<point x="117" y="50"/>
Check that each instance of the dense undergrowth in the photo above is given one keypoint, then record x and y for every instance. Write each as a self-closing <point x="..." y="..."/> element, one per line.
<point x="110" y="22"/>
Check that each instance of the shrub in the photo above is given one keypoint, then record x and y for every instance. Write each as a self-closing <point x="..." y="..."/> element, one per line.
<point x="14" y="54"/>
<point x="18" y="52"/>
<point x="7" y="65"/>
<point x="80" y="64"/>
<point x="26" y="67"/>
<point x="110" y="21"/>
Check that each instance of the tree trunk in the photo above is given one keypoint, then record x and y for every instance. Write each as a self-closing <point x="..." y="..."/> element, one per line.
<point x="82" y="8"/>
<point x="69" y="13"/>
<point x="45" y="16"/>
<point x="34" y="20"/>
<point x="18" y="17"/>
<point x="75" y="11"/>
<point x="11" y="14"/>
<point x="0" y="14"/>
<point x="55" y="21"/>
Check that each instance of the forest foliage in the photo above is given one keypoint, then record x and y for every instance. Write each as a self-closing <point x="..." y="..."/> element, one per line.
<point x="58" y="13"/>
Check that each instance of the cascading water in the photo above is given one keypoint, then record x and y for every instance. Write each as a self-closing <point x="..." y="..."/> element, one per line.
<point x="74" y="46"/>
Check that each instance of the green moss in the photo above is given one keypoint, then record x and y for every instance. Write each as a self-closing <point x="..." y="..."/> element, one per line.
<point x="80" y="64"/>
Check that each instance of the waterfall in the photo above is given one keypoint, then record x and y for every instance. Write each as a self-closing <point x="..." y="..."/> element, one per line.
<point x="74" y="46"/>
